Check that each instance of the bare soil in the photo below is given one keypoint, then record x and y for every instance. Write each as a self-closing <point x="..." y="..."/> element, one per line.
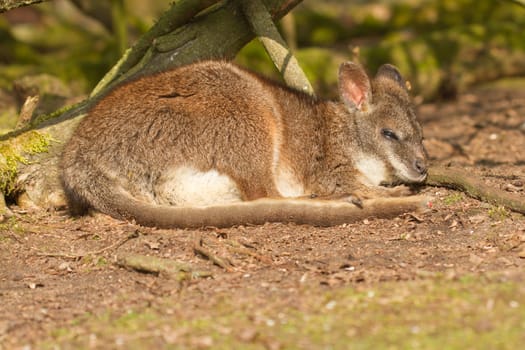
<point x="57" y="272"/>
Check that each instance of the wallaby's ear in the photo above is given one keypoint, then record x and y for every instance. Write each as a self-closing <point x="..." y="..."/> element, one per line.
<point x="354" y="87"/>
<point x="389" y="71"/>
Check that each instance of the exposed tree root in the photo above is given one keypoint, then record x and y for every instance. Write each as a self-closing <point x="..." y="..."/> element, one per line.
<point x="474" y="187"/>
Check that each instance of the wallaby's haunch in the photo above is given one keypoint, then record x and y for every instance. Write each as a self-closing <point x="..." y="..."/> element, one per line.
<point x="200" y="144"/>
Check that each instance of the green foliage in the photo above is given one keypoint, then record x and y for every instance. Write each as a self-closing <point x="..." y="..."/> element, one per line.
<point x="254" y="56"/>
<point x="69" y="53"/>
<point x="61" y="40"/>
<point x="441" y="46"/>
<point x="321" y="62"/>
<point x="318" y="28"/>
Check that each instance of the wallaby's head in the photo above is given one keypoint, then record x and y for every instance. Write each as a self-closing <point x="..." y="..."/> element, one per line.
<point x="389" y="138"/>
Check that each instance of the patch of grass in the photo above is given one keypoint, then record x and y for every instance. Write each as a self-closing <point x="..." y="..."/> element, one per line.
<point x="10" y="225"/>
<point x="101" y="261"/>
<point x="498" y="213"/>
<point x="472" y="312"/>
<point x="453" y="198"/>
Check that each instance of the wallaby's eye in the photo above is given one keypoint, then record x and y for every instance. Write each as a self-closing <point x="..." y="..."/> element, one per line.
<point x="389" y="134"/>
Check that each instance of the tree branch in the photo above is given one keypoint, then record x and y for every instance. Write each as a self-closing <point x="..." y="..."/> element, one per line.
<point x="263" y="26"/>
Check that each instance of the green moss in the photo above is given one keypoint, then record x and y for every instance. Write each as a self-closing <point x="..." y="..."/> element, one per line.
<point x="61" y="332"/>
<point x="453" y="198"/>
<point x="101" y="261"/>
<point x="498" y="213"/>
<point x="42" y="118"/>
<point x="15" y="151"/>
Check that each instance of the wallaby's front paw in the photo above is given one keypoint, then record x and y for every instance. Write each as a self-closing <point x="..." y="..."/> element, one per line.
<point x="382" y="192"/>
<point x="399" y="191"/>
<point x="355" y="200"/>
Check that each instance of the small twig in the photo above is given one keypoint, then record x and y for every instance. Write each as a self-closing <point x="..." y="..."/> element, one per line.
<point x="238" y="248"/>
<point x="473" y="187"/>
<point x="15" y="238"/>
<point x="60" y="255"/>
<point x="115" y="245"/>
<point x="199" y="249"/>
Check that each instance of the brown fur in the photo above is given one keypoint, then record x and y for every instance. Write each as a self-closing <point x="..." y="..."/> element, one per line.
<point x="215" y="116"/>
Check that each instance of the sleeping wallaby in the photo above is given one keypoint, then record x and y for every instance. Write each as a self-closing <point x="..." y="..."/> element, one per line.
<point x="198" y="145"/>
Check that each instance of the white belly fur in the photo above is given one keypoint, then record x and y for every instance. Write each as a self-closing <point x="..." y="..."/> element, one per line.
<point x="186" y="186"/>
<point x="287" y="183"/>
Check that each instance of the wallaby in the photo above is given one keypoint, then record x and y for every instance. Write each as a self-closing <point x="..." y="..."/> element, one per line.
<point x="198" y="145"/>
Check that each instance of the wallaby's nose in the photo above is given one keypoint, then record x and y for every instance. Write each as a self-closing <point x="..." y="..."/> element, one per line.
<point x="420" y="166"/>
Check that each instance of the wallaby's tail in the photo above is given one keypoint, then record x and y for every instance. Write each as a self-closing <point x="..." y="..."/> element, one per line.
<point x="300" y="211"/>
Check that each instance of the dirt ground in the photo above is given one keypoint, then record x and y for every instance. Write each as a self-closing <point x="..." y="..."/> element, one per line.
<point x="60" y="276"/>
